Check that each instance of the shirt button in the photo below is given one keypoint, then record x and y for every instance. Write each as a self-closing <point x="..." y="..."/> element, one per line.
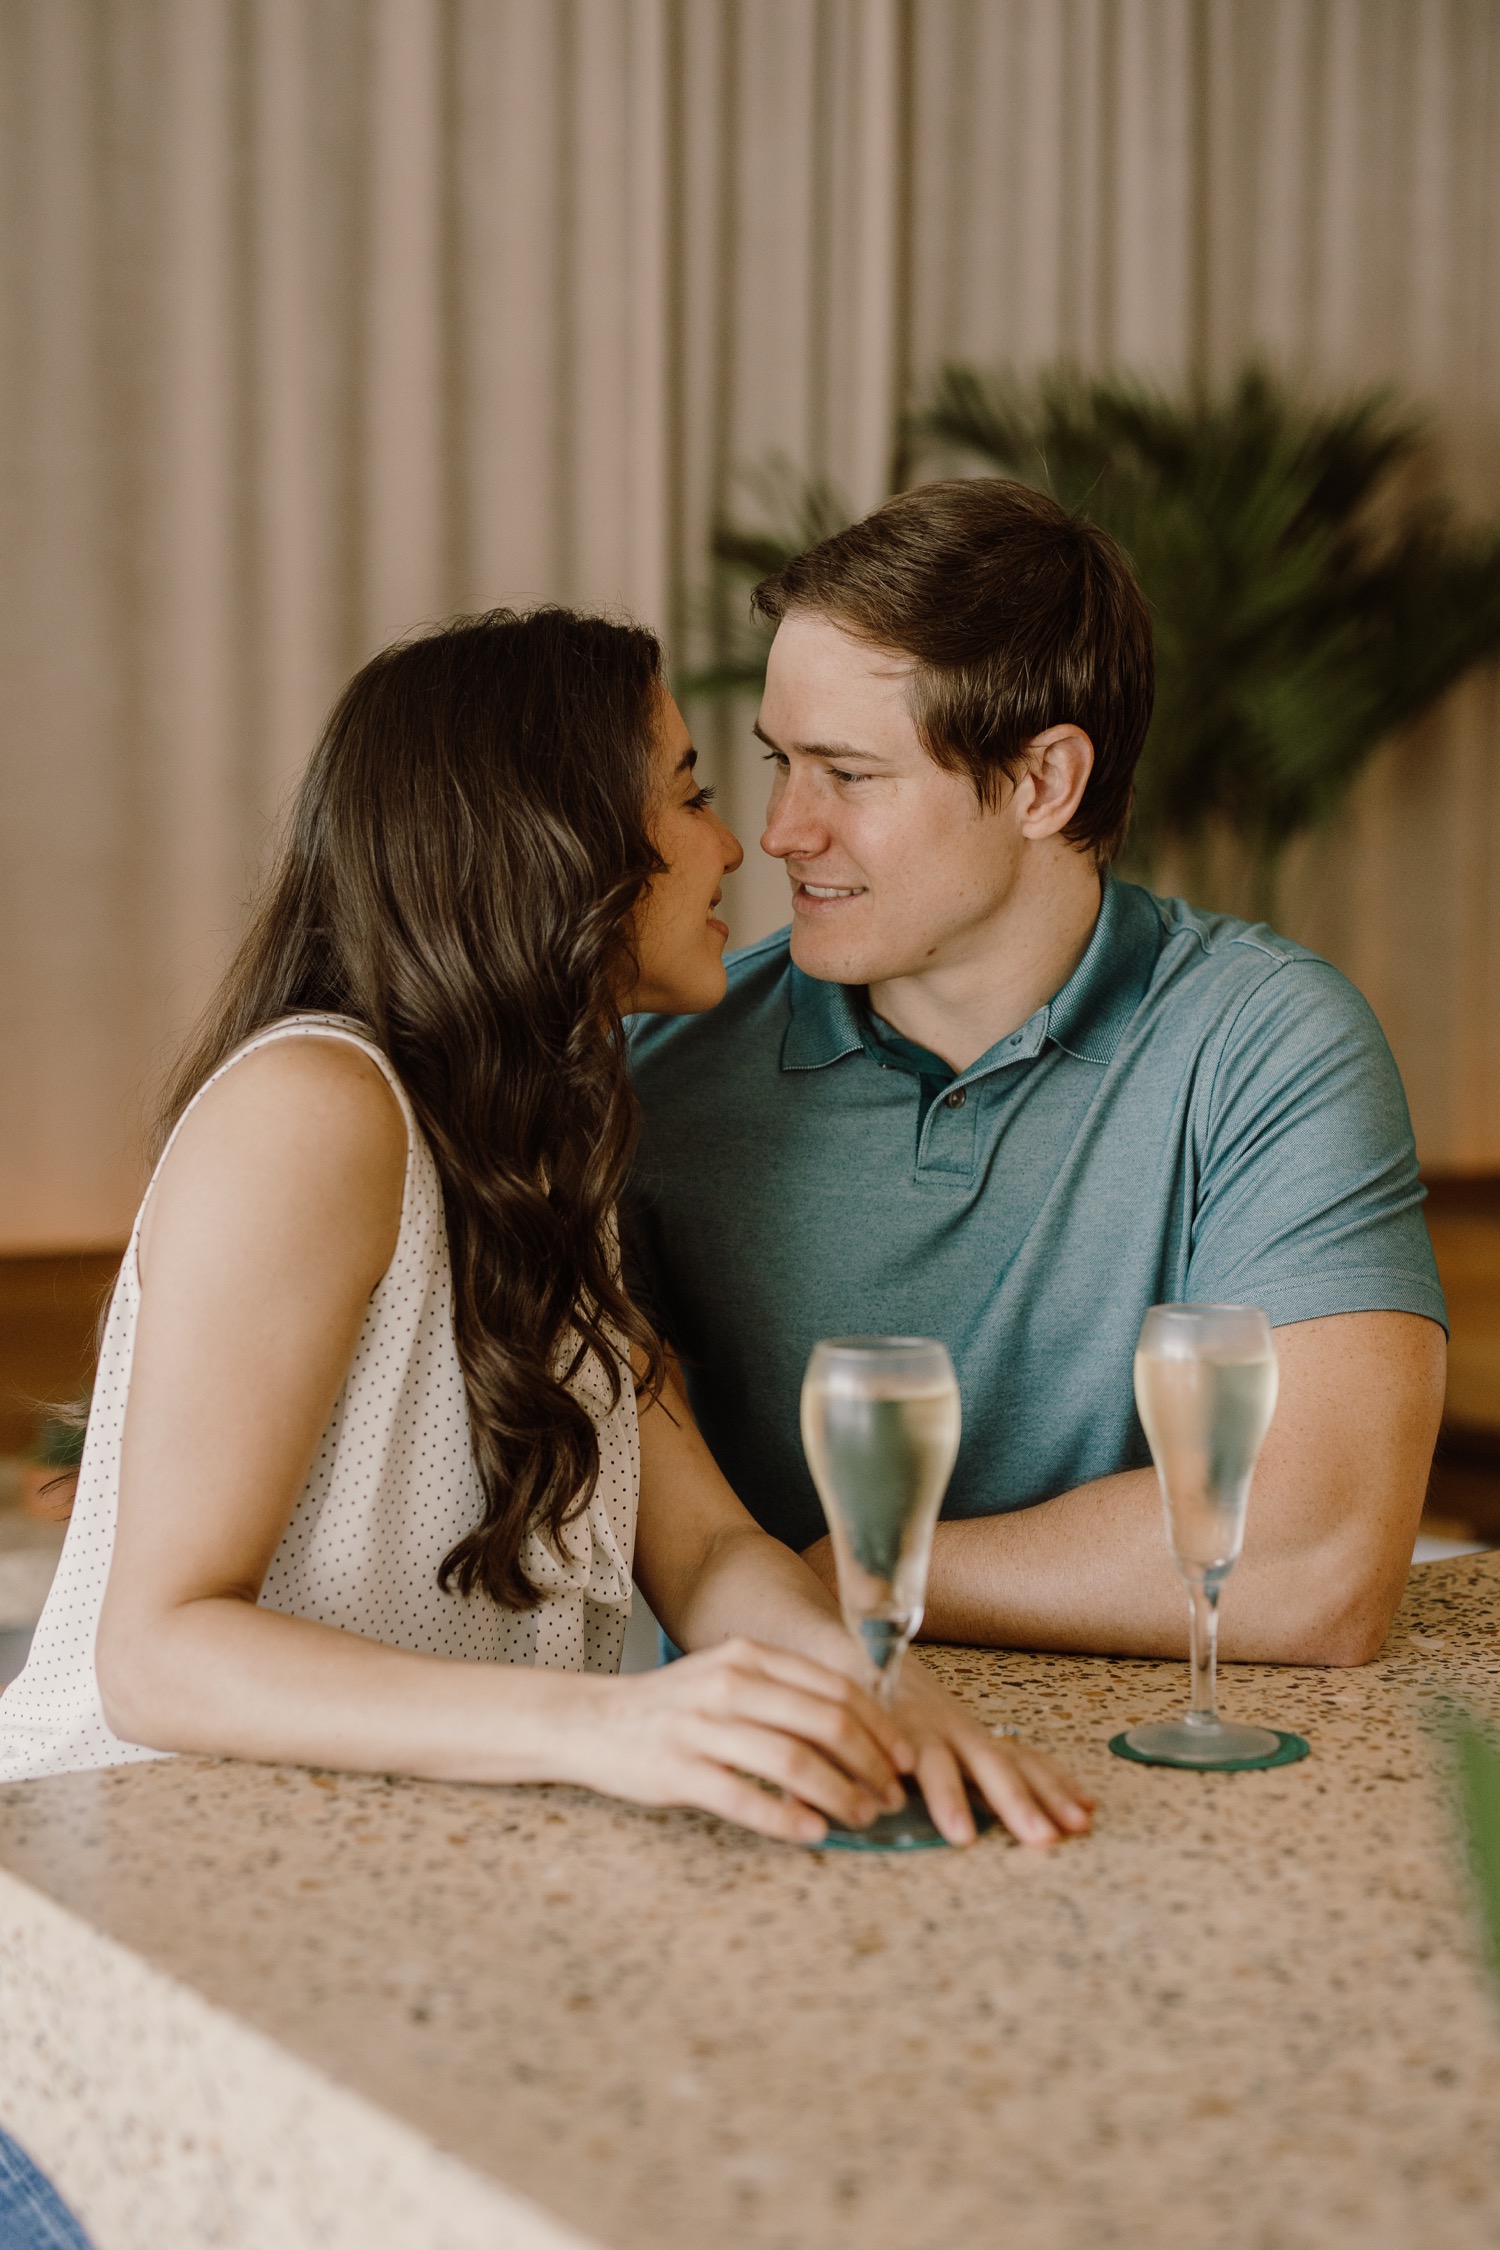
<point x="957" y="1098"/>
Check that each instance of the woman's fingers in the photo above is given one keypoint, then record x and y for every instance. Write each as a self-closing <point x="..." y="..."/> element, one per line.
<point x="837" y="1729"/>
<point x="1056" y="1791"/>
<point x="942" y="1783"/>
<point x="945" y="1785"/>
<point x="1007" y="1789"/>
<point x="716" y="1789"/>
<point x="802" y="1672"/>
<point x="789" y="1763"/>
<point x="710" y="1730"/>
<point x="1030" y="1792"/>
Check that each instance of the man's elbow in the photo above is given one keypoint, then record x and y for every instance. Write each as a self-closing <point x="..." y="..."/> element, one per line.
<point x="1341" y="1616"/>
<point x="1347" y="1638"/>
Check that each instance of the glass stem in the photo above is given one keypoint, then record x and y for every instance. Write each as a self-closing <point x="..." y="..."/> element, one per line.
<point x="1204" y="1644"/>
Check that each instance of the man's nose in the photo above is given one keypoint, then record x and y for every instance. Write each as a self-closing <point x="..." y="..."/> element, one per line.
<point x="793" y="829"/>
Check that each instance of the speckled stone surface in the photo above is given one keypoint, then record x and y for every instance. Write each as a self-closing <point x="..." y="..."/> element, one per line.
<point x="168" y="2123"/>
<point x="1251" y="2011"/>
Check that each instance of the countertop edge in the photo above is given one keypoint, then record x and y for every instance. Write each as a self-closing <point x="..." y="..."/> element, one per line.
<point x="164" y="2120"/>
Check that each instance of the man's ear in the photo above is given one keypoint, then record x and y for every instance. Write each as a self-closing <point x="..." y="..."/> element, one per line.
<point x="1058" y="764"/>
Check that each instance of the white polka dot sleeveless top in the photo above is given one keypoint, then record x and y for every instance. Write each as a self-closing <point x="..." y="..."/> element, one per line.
<point x="391" y="1492"/>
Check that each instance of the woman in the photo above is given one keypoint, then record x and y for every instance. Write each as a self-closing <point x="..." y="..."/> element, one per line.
<point x="367" y="1466"/>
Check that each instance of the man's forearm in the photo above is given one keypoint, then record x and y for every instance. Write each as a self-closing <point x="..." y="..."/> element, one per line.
<point x="1333" y="1511"/>
<point x="1090" y="1573"/>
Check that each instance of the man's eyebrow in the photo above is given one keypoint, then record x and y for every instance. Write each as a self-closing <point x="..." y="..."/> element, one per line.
<point x="815" y="749"/>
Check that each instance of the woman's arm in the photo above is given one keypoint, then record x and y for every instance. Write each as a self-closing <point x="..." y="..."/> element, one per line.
<point x="709" y="1571"/>
<point x="269" y="1227"/>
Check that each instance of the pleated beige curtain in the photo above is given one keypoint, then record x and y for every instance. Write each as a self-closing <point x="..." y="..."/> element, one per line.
<point x="319" y="318"/>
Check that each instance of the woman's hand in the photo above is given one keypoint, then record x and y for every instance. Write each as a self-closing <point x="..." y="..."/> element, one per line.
<point x="707" y="1569"/>
<point x="712" y="1728"/>
<point x="1037" y="1801"/>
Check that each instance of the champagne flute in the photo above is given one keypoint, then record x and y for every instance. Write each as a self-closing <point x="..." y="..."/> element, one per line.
<point x="1205" y="1385"/>
<point x="880" y="1428"/>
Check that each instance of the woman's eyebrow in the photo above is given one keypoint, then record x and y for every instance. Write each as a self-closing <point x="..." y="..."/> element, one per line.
<point x="688" y="760"/>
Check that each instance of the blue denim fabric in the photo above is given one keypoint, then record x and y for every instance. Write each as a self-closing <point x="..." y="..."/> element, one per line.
<point x="33" y="2215"/>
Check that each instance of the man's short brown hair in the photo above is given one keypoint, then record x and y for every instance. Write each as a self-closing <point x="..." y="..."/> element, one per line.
<point x="1019" y="617"/>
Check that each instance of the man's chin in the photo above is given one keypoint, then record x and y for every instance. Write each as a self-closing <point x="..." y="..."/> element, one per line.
<point x="821" y="952"/>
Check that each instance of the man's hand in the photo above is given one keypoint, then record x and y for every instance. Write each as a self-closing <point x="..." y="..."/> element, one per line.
<point x="1333" y="1515"/>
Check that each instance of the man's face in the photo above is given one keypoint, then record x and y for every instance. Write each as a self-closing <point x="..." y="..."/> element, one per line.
<point x="895" y="867"/>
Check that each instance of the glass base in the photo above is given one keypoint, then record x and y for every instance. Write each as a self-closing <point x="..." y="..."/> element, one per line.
<point x="910" y="1830"/>
<point x="1183" y="1742"/>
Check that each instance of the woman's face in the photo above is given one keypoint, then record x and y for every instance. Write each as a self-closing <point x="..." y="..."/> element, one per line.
<point x="679" y="944"/>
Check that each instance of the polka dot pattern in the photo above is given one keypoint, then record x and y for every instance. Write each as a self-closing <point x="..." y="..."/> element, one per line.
<point x="391" y="1491"/>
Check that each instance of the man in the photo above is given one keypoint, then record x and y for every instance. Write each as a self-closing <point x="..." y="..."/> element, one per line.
<point x="987" y="1092"/>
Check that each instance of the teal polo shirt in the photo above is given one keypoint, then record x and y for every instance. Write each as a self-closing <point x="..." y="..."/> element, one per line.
<point x="1204" y="1112"/>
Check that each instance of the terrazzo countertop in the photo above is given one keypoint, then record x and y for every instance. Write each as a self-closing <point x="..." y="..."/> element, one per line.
<point x="257" y="2006"/>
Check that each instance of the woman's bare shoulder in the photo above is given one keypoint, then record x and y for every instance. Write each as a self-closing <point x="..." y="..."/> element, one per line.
<point x="312" y="1084"/>
<point x="302" y="1132"/>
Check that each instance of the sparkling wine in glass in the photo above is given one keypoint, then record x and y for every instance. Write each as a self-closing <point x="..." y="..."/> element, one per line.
<point x="1205" y="1384"/>
<point x="880" y="1428"/>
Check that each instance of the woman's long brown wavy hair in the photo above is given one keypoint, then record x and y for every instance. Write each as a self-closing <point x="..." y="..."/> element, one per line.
<point x="460" y="874"/>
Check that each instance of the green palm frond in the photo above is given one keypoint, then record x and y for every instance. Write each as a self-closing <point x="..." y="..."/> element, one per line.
<point x="794" y="514"/>
<point x="797" y="510"/>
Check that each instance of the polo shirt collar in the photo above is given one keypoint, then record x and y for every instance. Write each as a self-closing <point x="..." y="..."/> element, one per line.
<point x="824" y="1025"/>
<point x="1087" y="1018"/>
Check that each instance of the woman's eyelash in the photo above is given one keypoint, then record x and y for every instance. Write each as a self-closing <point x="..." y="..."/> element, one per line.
<point x="701" y="797"/>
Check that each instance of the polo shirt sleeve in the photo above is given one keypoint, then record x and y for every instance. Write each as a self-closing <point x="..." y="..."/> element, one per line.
<point x="1307" y="1196"/>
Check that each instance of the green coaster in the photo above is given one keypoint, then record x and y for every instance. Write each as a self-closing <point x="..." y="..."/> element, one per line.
<point x="1289" y="1748"/>
<point x="908" y="1831"/>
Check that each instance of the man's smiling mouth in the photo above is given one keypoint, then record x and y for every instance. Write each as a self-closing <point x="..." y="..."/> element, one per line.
<point x="830" y="890"/>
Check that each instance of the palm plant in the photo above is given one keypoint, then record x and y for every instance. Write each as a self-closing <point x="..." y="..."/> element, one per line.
<point x="795" y="512"/>
<point x="1310" y="594"/>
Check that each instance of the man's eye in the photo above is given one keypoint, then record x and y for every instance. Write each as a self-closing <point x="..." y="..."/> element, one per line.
<point x="840" y="775"/>
<point x="774" y="758"/>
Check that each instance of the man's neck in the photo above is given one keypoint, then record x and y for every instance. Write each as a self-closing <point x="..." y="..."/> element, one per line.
<point x="1021" y="957"/>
